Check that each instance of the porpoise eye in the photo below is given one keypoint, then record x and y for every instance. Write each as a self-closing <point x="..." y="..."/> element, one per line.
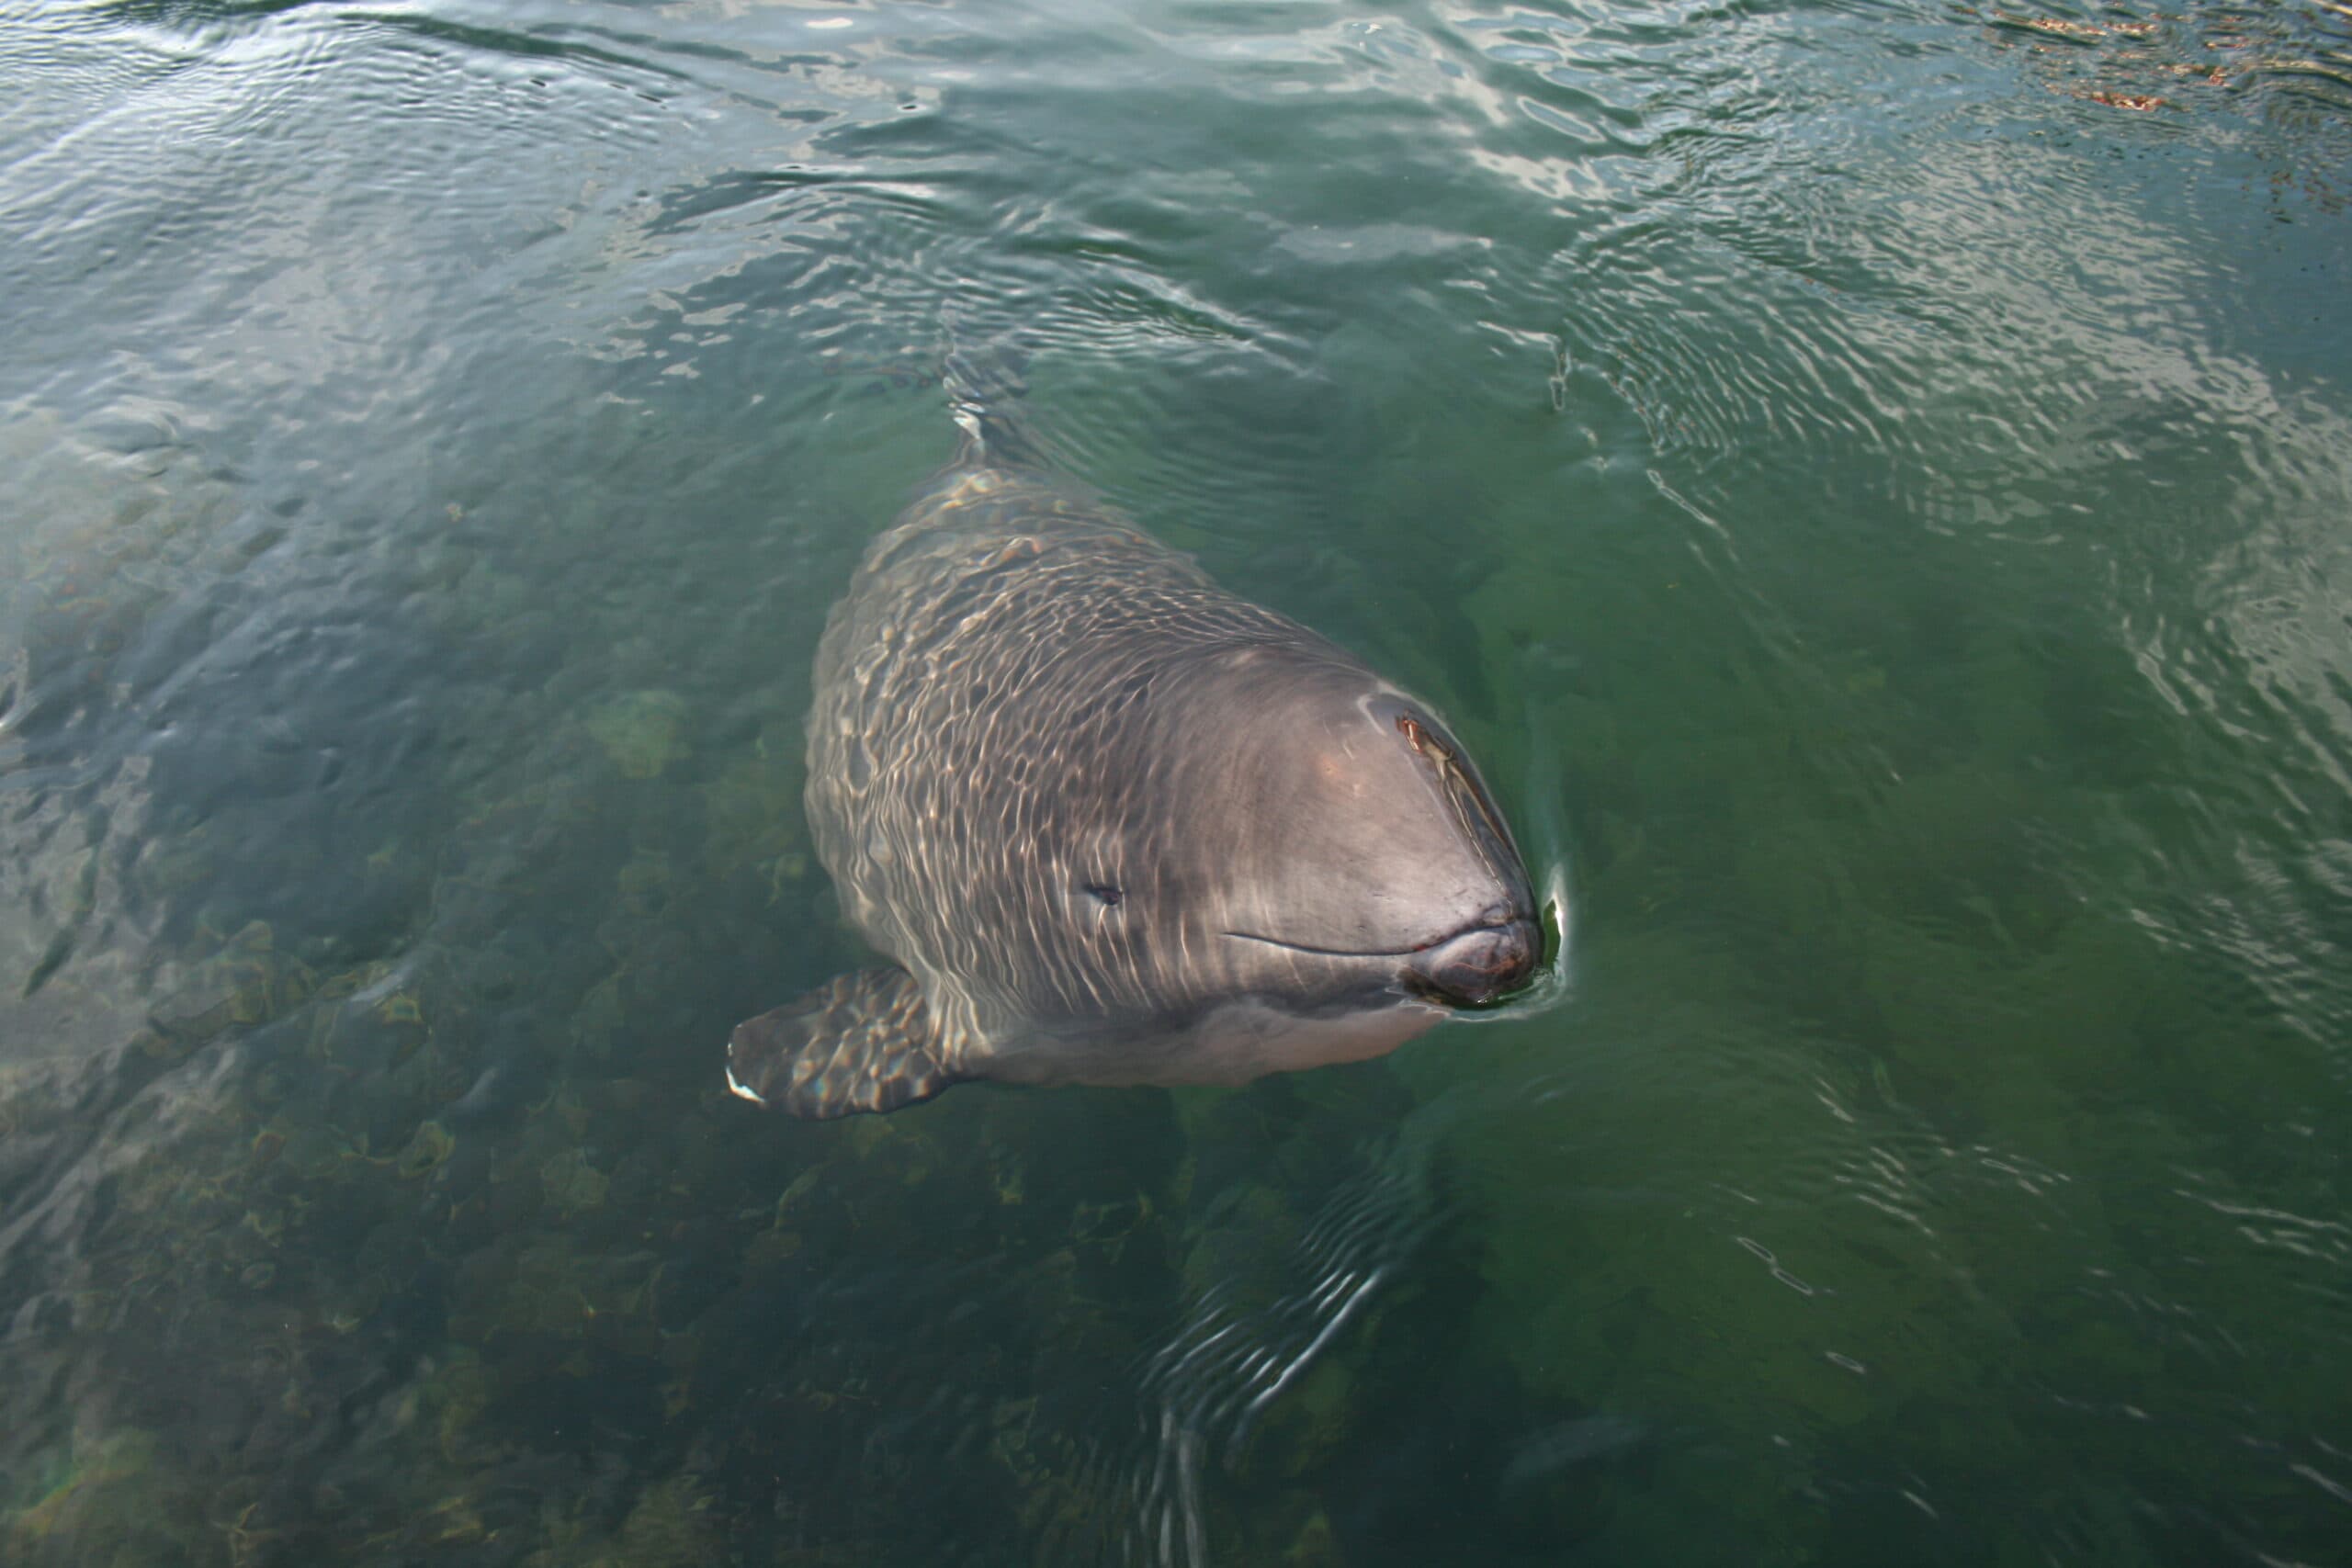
<point x="1102" y="893"/>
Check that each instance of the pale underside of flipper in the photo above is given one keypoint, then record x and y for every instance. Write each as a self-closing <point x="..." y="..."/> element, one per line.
<point x="859" y="1043"/>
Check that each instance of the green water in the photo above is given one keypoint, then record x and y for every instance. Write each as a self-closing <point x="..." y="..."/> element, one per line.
<point x="1873" y="484"/>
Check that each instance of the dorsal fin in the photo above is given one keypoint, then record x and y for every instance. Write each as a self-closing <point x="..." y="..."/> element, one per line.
<point x="985" y="387"/>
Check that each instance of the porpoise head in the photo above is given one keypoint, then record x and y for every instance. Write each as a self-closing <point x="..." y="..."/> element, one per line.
<point x="1326" y="874"/>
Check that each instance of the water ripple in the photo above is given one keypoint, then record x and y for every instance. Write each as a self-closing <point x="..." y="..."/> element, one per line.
<point x="1248" y="1339"/>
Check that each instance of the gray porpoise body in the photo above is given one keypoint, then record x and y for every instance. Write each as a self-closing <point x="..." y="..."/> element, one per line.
<point x="1117" y="826"/>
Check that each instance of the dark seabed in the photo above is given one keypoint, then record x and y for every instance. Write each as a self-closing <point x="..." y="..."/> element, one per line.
<point x="1873" y="483"/>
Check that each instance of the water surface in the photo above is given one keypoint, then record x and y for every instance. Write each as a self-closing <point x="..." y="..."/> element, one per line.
<point x="1870" y="482"/>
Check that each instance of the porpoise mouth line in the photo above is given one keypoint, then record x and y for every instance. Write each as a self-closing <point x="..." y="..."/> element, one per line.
<point x="1367" y="952"/>
<point x="1328" y="951"/>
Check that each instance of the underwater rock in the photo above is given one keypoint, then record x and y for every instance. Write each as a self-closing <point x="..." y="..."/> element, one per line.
<point x="641" y="732"/>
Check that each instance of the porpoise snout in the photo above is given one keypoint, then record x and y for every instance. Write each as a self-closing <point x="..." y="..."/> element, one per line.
<point x="1475" y="966"/>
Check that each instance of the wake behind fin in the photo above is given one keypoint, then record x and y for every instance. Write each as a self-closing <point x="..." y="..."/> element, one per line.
<point x="860" y="1042"/>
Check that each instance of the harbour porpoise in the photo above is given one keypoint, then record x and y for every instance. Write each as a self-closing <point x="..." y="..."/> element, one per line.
<point x="1113" y="824"/>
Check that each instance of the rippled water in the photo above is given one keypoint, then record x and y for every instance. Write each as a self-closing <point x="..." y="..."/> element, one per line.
<point x="1870" y="483"/>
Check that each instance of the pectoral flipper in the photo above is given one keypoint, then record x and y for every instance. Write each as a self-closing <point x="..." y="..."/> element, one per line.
<point x="861" y="1041"/>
